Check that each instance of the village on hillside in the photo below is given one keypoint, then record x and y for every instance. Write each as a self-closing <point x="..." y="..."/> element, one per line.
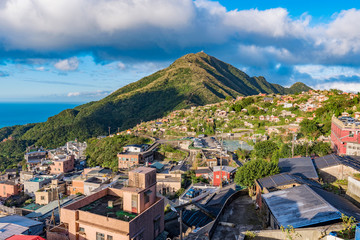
<point x="258" y="167"/>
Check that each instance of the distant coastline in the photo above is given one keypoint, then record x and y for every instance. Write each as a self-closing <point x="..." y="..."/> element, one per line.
<point x="19" y="113"/>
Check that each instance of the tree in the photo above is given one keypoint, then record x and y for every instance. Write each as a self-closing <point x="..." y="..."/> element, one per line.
<point x="255" y="169"/>
<point x="309" y="128"/>
<point x="321" y="149"/>
<point x="265" y="149"/>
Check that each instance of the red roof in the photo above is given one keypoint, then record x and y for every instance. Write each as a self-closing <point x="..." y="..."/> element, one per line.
<point x="25" y="237"/>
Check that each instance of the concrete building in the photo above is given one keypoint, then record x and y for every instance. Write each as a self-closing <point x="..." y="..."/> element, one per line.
<point x="77" y="185"/>
<point x="50" y="192"/>
<point x="9" y="188"/>
<point x="76" y="148"/>
<point x="132" y="213"/>
<point x="333" y="167"/>
<point x="345" y="132"/>
<point x="64" y="165"/>
<point x="35" y="184"/>
<point x="168" y="183"/>
<point x="223" y="174"/>
<point x="93" y="183"/>
<point x="134" y="155"/>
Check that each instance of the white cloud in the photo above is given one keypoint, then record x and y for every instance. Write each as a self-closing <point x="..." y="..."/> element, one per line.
<point x="73" y="94"/>
<point x="121" y="65"/>
<point x="70" y="64"/>
<point x="344" y="86"/>
<point x="320" y="72"/>
<point x="93" y="94"/>
<point x="111" y="29"/>
<point x="40" y="68"/>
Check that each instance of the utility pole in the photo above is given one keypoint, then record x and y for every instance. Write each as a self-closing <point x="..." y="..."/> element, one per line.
<point x="221" y="168"/>
<point x="109" y="130"/>
<point x="181" y="230"/>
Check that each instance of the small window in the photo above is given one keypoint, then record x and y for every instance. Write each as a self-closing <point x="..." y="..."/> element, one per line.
<point x="42" y="197"/>
<point x="109" y="237"/>
<point x="81" y="229"/>
<point x="351" y="134"/>
<point x="100" y="236"/>
<point x="217" y="176"/>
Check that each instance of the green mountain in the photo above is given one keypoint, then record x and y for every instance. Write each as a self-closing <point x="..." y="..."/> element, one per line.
<point x="194" y="79"/>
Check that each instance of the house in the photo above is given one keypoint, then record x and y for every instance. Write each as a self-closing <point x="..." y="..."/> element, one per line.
<point x="299" y="119"/>
<point x="279" y="182"/>
<point x="77" y="185"/>
<point x="35" y="184"/>
<point x="158" y="166"/>
<point x="50" y="193"/>
<point x="134" y="155"/>
<point x="204" y="172"/>
<point x="94" y="183"/>
<point x="224" y="174"/>
<point x="305" y="206"/>
<point x="9" y="188"/>
<point x="132" y="212"/>
<point x="63" y="165"/>
<point x="34" y="227"/>
<point x="268" y="99"/>
<point x="302" y="167"/>
<point x="168" y="183"/>
<point x="333" y="167"/>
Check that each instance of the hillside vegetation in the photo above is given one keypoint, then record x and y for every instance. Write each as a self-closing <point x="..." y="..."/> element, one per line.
<point x="192" y="80"/>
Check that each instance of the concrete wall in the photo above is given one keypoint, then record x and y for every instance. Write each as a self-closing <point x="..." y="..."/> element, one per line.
<point x="353" y="190"/>
<point x="305" y="233"/>
<point x="331" y="174"/>
<point x="45" y="197"/>
<point x="31" y="187"/>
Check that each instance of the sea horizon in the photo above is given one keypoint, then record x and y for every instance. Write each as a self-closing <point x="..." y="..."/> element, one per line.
<point x="20" y="113"/>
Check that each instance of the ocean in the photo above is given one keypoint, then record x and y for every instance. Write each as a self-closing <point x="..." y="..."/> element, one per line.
<point x="23" y="113"/>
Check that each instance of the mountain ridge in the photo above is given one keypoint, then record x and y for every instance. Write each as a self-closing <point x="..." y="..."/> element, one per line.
<point x="192" y="80"/>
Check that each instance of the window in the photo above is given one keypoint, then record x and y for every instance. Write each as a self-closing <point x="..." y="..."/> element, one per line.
<point x="109" y="237"/>
<point x="156" y="226"/>
<point x="217" y="176"/>
<point x="351" y="134"/>
<point x="134" y="199"/>
<point x="100" y="236"/>
<point x="42" y="197"/>
<point x="81" y="230"/>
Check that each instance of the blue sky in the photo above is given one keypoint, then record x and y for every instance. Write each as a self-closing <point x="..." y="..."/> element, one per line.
<point x="79" y="51"/>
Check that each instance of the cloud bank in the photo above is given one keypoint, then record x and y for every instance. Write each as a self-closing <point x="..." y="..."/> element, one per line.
<point x="269" y="42"/>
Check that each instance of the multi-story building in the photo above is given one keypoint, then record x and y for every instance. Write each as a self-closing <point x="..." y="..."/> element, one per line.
<point x="9" y="188"/>
<point x="134" y="155"/>
<point x="50" y="193"/>
<point x="63" y="165"/>
<point x="345" y="135"/>
<point x="133" y="212"/>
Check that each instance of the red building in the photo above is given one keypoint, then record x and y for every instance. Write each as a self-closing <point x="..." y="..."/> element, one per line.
<point x="345" y="135"/>
<point x="226" y="173"/>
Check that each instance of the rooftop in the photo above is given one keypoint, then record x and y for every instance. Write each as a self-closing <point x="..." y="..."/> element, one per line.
<point x="327" y="161"/>
<point x="100" y="207"/>
<point x="224" y="168"/>
<point x="302" y="167"/>
<point x="299" y="207"/>
<point x="282" y="179"/>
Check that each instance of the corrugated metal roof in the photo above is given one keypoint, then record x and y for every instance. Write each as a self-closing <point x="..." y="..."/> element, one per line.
<point x="340" y="203"/>
<point x="327" y="161"/>
<point x="299" y="207"/>
<point x="9" y="229"/>
<point x="303" y="167"/>
<point x="285" y="179"/>
<point x="19" y="220"/>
